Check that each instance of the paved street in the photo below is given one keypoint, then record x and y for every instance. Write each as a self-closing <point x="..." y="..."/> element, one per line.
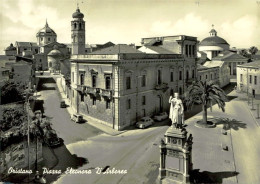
<point x="137" y="150"/>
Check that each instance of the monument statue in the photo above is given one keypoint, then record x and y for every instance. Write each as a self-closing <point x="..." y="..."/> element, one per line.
<point x="176" y="111"/>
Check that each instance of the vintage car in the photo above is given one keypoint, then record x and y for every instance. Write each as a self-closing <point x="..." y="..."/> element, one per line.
<point x="77" y="118"/>
<point x="63" y="104"/>
<point x="161" y="116"/>
<point x="144" y="122"/>
<point x="51" y="138"/>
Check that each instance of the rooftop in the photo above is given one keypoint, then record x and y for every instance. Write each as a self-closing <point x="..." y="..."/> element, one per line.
<point x="255" y="64"/>
<point x="117" y="49"/>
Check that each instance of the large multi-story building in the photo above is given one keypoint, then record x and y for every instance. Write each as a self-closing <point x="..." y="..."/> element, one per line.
<point x="120" y="84"/>
<point x="248" y="76"/>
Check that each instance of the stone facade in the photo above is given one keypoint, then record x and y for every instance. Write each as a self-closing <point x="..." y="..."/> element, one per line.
<point x="248" y="76"/>
<point x="126" y="87"/>
<point x="208" y="74"/>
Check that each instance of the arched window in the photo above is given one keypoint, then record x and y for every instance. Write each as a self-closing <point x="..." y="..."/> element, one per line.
<point x="187" y="75"/>
<point x="79" y="25"/>
<point x="75" y="25"/>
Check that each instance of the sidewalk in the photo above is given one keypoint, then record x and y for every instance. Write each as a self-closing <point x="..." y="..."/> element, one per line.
<point x="253" y="111"/>
<point x="212" y="164"/>
<point x="90" y="120"/>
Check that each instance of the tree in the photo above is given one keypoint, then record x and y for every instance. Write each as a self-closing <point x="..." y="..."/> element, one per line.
<point x="244" y="53"/>
<point x="253" y="50"/>
<point x="11" y="92"/>
<point x="205" y="93"/>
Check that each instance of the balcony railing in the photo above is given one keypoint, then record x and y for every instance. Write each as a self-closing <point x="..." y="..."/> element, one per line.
<point x="81" y="88"/>
<point x="106" y="93"/>
<point x="92" y="90"/>
<point x="161" y="86"/>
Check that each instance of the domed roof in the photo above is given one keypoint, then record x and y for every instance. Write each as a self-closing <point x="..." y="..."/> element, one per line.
<point x="213" y="41"/>
<point x="46" y="31"/>
<point x="55" y="53"/>
<point x="11" y="47"/>
<point x="78" y="14"/>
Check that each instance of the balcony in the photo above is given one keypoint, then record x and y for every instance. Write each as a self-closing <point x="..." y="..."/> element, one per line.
<point x="81" y="88"/>
<point x="106" y="93"/>
<point x="93" y="91"/>
<point x="163" y="86"/>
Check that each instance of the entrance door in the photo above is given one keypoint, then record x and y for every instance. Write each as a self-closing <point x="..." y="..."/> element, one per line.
<point x="253" y="93"/>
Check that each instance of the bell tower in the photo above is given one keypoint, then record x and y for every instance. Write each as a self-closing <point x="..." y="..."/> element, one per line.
<point x="78" y="33"/>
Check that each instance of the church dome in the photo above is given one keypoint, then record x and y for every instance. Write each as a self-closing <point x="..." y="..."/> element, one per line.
<point x="213" y="41"/>
<point x="78" y="14"/>
<point x="11" y="47"/>
<point x="55" y="53"/>
<point x="46" y="31"/>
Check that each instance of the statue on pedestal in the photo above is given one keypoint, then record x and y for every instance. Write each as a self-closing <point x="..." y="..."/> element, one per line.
<point x="176" y="111"/>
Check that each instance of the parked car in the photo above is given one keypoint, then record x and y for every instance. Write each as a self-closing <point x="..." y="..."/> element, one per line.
<point x="63" y="104"/>
<point x="144" y="122"/>
<point x="161" y="116"/>
<point x="77" y="118"/>
<point x="51" y="138"/>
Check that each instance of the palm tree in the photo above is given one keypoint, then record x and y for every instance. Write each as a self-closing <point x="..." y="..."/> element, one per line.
<point x="205" y="93"/>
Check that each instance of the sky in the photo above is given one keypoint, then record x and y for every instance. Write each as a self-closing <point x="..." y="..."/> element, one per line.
<point x="127" y="21"/>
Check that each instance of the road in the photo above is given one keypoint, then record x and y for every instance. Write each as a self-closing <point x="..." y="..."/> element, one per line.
<point x="137" y="150"/>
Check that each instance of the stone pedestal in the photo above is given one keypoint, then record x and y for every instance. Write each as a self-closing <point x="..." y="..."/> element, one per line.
<point x="176" y="156"/>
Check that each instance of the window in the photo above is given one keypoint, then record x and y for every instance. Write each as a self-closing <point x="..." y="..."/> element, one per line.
<point x="143" y="80"/>
<point x="75" y="25"/>
<point x="41" y="39"/>
<point x="171" y="93"/>
<point x="255" y="79"/>
<point x="193" y="74"/>
<point x="206" y="77"/>
<point x="94" y="99"/>
<point x="250" y="79"/>
<point x="193" y="50"/>
<point x="190" y="50"/>
<point x="180" y="75"/>
<point x="128" y="104"/>
<point x="50" y="64"/>
<point x="200" y="77"/>
<point x="180" y="90"/>
<point x="79" y="25"/>
<point x="159" y="77"/>
<point x="108" y="79"/>
<point x="241" y="77"/>
<point x="186" y="50"/>
<point x="107" y="104"/>
<point x="171" y="76"/>
<point x="143" y="100"/>
<point x="187" y="75"/>
<point x="94" y="78"/>
<point x="82" y="76"/>
<point x="40" y="60"/>
<point x="82" y="97"/>
<point x="54" y="39"/>
<point x="128" y="82"/>
<point x="49" y="39"/>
